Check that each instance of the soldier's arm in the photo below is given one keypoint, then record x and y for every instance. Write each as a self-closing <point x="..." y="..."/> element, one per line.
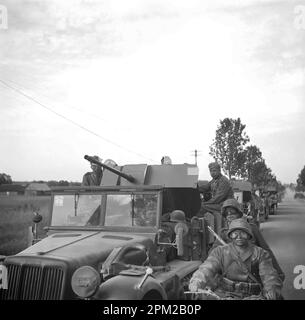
<point x="269" y="276"/>
<point x="261" y="242"/>
<point x="207" y="270"/>
<point x="221" y="192"/>
<point x="85" y="181"/>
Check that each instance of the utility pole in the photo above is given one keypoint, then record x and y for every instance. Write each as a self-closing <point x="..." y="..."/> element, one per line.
<point x="196" y="154"/>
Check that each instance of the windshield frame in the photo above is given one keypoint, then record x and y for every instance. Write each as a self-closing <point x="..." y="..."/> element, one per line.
<point x="111" y="191"/>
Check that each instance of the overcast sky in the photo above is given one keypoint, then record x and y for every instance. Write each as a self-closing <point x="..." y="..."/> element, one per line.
<point x="134" y="80"/>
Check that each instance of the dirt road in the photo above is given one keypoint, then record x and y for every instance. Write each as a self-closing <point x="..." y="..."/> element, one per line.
<point x="285" y="233"/>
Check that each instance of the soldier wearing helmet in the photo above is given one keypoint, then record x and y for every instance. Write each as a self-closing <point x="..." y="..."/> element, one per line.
<point x="94" y="177"/>
<point x="244" y="268"/>
<point x="231" y="211"/>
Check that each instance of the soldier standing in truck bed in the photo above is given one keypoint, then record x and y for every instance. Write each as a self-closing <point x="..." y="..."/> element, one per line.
<point x="94" y="177"/>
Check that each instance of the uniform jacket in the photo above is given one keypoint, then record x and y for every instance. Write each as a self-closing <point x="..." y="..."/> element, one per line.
<point x="259" y="241"/>
<point x="221" y="190"/>
<point x="91" y="179"/>
<point x="223" y="260"/>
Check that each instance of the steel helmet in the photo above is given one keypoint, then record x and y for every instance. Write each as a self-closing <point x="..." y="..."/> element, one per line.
<point x="177" y="216"/>
<point x="97" y="158"/>
<point x="240" y="224"/>
<point x="231" y="203"/>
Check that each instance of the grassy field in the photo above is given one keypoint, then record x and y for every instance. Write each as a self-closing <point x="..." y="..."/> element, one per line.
<point x="16" y="213"/>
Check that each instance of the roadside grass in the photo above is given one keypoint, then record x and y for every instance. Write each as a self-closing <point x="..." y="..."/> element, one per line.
<point x="16" y="214"/>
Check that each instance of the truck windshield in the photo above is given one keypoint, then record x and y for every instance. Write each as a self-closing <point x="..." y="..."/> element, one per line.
<point x="131" y="210"/>
<point x="119" y="210"/>
<point x="76" y="210"/>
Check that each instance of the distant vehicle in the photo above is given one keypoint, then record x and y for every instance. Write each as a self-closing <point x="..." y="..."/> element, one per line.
<point x="273" y="198"/>
<point x="299" y="195"/>
<point x="116" y="240"/>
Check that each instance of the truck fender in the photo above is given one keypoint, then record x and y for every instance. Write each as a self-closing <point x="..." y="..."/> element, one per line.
<point x="125" y="287"/>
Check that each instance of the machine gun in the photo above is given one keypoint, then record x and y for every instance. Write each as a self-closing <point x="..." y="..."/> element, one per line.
<point x="128" y="177"/>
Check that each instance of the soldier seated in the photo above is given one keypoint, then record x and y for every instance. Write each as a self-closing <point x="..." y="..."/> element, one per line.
<point x="220" y="189"/>
<point x="230" y="211"/>
<point x="245" y="269"/>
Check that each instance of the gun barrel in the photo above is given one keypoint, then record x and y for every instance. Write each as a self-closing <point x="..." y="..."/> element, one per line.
<point x="216" y="236"/>
<point x="128" y="177"/>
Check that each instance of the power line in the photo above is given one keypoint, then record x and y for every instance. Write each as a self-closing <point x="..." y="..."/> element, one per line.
<point x="91" y="114"/>
<point x="73" y="122"/>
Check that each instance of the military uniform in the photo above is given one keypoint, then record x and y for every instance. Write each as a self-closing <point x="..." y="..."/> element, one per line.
<point x="235" y="278"/>
<point x="221" y="190"/>
<point x="92" y="179"/>
<point x="259" y="241"/>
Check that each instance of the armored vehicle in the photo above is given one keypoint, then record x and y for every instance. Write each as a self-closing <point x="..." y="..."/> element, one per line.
<point x="133" y="237"/>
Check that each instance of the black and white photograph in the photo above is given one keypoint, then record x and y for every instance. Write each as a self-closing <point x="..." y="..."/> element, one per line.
<point x="152" y="150"/>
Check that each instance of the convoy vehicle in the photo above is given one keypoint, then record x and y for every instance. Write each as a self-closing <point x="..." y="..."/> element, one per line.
<point x="273" y="198"/>
<point x="116" y="240"/>
<point x="250" y="203"/>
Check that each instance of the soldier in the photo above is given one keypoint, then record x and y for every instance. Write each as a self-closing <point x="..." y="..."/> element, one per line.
<point x="221" y="190"/>
<point x="93" y="178"/>
<point x="245" y="268"/>
<point x="230" y="211"/>
<point x="166" y="160"/>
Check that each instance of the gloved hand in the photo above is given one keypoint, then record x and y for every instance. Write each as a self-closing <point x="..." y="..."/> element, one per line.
<point x="270" y="295"/>
<point x="196" y="284"/>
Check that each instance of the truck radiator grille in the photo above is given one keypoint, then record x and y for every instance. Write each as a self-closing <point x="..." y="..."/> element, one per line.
<point x="29" y="282"/>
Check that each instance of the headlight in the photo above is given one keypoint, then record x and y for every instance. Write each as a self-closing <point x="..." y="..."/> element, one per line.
<point x="85" y="281"/>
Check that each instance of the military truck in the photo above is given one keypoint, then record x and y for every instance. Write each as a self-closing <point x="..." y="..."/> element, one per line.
<point x="118" y="240"/>
<point x="250" y="203"/>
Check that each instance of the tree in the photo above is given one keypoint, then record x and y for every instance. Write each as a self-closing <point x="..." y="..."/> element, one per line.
<point x="301" y="180"/>
<point x="228" y="147"/>
<point x="253" y="156"/>
<point x="259" y="173"/>
<point x="5" y="179"/>
<point x="302" y="177"/>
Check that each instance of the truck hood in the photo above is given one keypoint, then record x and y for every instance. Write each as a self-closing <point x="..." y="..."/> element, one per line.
<point x="84" y="247"/>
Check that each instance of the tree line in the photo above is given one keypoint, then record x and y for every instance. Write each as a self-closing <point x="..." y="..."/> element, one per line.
<point x="238" y="158"/>
<point x="301" y="181"/>
<point x="6" y="179"/>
